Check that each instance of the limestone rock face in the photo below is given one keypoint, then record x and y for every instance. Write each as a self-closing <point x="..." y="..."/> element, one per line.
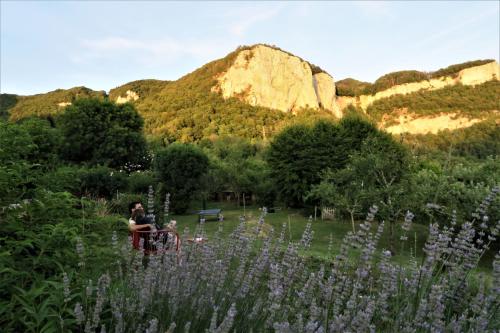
<point x="325" y="91"/>
<point x="130" y="96"/>
<point x="479" y="74"/>
<point x="468" y="76"/>
<point x="264" y="76"/>
<point x="414" y="124"/>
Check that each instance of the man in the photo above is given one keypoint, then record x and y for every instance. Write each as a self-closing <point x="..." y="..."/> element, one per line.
<point x="136" y="210"/>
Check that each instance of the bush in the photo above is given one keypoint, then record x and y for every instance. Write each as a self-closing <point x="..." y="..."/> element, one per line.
<point x="138" y="182"/>
<point x="120" y="204"/>
<point x="63" y="179"/>
<point x="103" y="182"/>
<point x="48" y="141"/>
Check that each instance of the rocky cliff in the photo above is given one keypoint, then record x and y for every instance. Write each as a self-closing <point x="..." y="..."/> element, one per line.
<point x="268" y="77"/>
<point x="469" y="76"/>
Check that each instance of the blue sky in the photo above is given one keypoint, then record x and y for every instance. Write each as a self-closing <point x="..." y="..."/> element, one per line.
<point x="101" y="45"/>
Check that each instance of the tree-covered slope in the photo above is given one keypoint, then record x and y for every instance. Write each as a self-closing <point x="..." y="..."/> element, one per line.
<point x="352" y="87"/>
<point x="187" y="109"/>
<point x="7" y="101"/>
<point x="472" y="101"/>
<point x="49" y="103"/>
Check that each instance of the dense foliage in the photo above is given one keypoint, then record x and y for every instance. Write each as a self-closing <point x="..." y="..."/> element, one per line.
<point x="299" y="154"/>
<point x="7" y="101"/>
<point x="352" y="87"/>
<point x="237" y="165"/>
<point x="101" y="132"/>
<point x="180" y="168"/>
<point x="45" y="105"/>
<point x="479" y="140"/>
<point x="378" y="172"/>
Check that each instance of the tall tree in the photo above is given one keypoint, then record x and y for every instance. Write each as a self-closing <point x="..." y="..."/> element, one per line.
<point x="299" y="154"/>
<point x="180" y="167"/>
<point x="102" y="132"/>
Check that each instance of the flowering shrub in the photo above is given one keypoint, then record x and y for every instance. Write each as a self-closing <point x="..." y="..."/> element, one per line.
<point x="247" y="284"/>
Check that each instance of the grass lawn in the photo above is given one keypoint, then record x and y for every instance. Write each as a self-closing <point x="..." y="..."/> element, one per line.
<point x="295" y="223"/>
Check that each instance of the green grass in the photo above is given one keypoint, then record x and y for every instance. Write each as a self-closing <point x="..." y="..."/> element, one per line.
<point x="296" y="222"/>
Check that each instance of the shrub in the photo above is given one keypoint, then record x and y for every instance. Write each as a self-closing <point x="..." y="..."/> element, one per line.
<point x="139" y="182"/>
<point x="64" y="178"/>
<point x="102" y="182"/>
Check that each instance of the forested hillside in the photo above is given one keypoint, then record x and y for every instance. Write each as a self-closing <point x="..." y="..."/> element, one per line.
<point x="188" y="110"/>
<point x="477" y="101"/>
<point x="42" y="105"/>
<point x="352" y="87"/>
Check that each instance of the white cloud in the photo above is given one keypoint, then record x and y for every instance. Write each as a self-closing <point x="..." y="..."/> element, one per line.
<point x="153" y="51"/>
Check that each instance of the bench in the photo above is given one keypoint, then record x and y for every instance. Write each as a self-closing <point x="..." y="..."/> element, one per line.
<point x="209" y="212"/>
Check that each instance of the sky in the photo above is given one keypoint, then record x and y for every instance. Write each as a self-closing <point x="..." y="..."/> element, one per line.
<point x="46" y="45"/>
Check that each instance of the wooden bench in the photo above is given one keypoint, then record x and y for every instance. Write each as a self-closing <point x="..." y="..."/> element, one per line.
<point x="209" y="212"/>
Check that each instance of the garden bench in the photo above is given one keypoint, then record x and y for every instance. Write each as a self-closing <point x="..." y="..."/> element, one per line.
<point x="209" y="212"/>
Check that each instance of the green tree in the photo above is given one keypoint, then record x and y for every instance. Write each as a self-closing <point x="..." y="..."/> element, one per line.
<point x="378" y="173"/>
<point x="17" y="174"/>
<point x="298" y="155"/>
<point x="180" y="167"/>
<point x="48" y="141"/>
<point x="289" y="157"/>
<point x="382" y="166"/>
<point x="340" y="189"/>
<point x="102" y="132"/>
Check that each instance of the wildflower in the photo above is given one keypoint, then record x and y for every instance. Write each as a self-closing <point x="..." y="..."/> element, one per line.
<point x="66" y="291"/>
<point x="80" y="251"/>
<point x="431" y="205"/>
<point x="153" y="326"/>
<point x="79" y="314"/>
<point x="151" y="208"/>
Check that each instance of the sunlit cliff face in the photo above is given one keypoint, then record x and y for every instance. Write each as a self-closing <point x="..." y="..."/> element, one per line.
<point x="264" y="76"/>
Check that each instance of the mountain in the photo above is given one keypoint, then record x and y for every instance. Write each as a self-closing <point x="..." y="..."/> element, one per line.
<point x="256" y="90"/>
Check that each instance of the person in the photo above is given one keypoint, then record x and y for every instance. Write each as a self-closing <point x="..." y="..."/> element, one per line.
<point x="136" y="215"/>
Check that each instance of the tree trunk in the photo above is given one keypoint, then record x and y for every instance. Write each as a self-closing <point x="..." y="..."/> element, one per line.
<point x="352" y="221"/>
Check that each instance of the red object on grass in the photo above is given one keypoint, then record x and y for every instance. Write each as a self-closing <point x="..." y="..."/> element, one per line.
<point x="153" y="238"/>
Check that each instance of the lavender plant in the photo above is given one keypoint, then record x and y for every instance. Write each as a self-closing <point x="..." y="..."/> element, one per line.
<point x="237" y="284"/>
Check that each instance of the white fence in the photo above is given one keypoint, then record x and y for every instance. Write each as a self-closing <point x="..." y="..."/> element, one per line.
<point x="327" y="213"/>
